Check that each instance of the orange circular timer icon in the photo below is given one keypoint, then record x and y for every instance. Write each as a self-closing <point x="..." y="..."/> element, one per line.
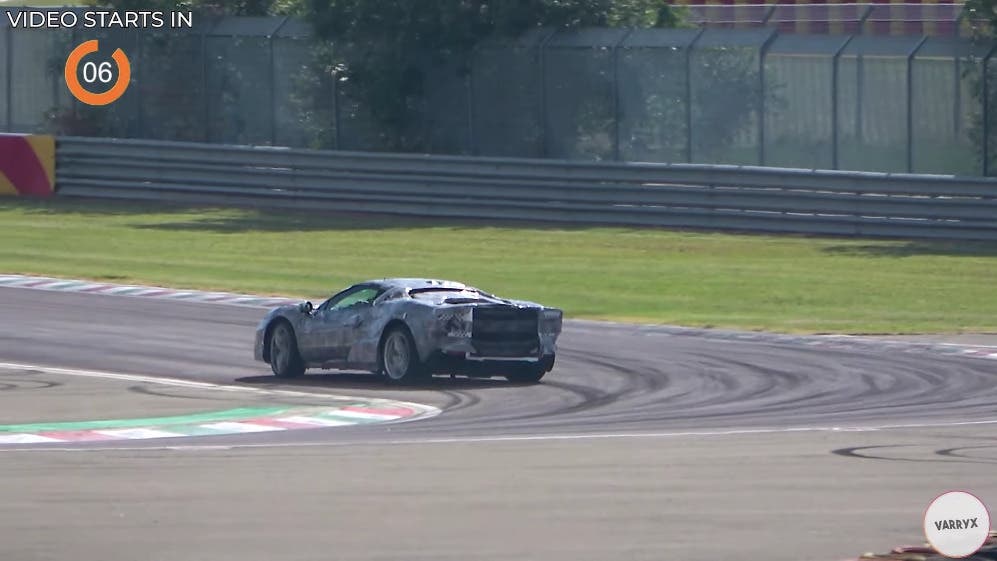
<point x="97" y="73"/>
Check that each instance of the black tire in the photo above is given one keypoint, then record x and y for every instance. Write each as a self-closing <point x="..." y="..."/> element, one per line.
<point x="398" y="357"/>
<point x="285" y="360"/>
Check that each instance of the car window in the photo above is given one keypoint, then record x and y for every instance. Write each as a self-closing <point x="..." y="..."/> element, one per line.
<point x="353" y="297"/>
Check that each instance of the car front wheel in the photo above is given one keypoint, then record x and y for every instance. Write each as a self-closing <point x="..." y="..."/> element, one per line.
<point x="285" y="361"/>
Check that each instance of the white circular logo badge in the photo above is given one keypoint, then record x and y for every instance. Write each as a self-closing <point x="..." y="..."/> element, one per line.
<point x="956" y="524"/>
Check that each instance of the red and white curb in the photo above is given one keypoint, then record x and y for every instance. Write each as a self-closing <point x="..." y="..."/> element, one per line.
<point x="162" y="293"/>
<point x="292" y="418"/>
<point x="341" y="411"/>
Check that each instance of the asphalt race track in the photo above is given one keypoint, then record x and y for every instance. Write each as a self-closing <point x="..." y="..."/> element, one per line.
<point x="643" y="443"/>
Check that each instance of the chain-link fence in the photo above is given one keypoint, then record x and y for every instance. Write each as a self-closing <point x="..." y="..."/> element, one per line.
<point x="727" y="96"/>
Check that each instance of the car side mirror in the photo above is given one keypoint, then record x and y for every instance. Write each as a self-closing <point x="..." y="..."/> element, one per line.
<point x="305" y="308"/>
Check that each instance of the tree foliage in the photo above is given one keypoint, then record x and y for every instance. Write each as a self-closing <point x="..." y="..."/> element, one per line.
<point x="384" y="48"/>
<point x="209" y="7"/>
<point x="982" y="130"/>
<point x="376" y="64"/>
<point x="982" y="16"/>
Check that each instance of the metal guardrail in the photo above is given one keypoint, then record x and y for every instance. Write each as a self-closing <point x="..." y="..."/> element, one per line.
<point x="632" y="194"/>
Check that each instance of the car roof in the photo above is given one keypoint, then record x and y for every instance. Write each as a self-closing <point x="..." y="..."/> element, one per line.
<point x="411" y="283"/>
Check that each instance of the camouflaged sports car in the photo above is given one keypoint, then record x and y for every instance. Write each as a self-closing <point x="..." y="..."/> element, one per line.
<point x="408" y="329"/>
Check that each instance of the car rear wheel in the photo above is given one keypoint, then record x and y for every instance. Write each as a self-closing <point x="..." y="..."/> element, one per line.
<point x="399" y="358"/>
<point x="285" y="361"/>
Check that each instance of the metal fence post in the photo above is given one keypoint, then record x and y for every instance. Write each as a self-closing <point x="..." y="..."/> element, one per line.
<point x="273" y="93"/>
<point x="688" y="94"/>
<point x="273" y="80"/>
<point x="763" y="52"/>
<point x="768" y="14"/>
<point x="835" y="62"/>
<point x="616" y="95"/>
<point x="864" y="17"/>
<point x="204" y="86"/>
<point x="859" y="90"/>
<point x="9" y="88"/>
<point x="57" y="80"/>
<point x="335" y="108"/>
<point x="986" y="111"/>
<point x="957" y="106"/>
<point x="139" y="112"/>
<point x="860" y="77"/>
<point x="910" y="103"/>
<point x="472" y="144"/>
<point x="542" y="53"/>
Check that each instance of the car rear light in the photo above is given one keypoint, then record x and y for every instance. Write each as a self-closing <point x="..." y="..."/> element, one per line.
<point x="455" y="323"/>
<point x="550" y="322"/>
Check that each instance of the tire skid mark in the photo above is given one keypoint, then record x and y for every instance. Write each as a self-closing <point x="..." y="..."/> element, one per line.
<point x="948" y="456"/>
<point x="16" y="381"/>
<point x="713" y="387"/>
<point x="960" y="452"/>
<point x="459" y="400"/>
<point x="146" y="390"/>
<point x="577" y="395"/>
<point x="739" y="388"/>
<point x="632" y="382"/>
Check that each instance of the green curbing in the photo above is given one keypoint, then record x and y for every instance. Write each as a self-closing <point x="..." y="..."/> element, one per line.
<point x="194" y="418"/>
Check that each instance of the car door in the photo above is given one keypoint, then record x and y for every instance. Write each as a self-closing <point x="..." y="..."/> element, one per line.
<point x="313" y="333"/>
<point x="358" y="320"/>
<point x="330" y="329"/>
<point x="325" y="334"/>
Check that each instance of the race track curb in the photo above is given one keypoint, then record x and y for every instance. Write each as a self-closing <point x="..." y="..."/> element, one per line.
<point x="158" y="292"/>
<point x="278" y="415"/>
<point x="212" y="423"/>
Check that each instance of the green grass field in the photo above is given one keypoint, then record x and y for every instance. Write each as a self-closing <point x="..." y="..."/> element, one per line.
<point x="791" y="284"/>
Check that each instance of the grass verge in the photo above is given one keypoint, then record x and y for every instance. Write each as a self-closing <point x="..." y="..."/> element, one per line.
<point x="779" y="283"/>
